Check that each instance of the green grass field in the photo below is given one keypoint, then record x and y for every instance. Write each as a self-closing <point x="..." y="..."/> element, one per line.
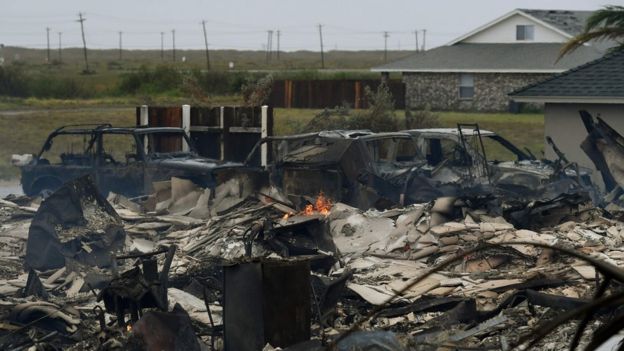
<point x="24" y="130"/>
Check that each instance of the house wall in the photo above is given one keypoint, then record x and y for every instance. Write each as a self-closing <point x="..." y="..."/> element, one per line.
<point x="441" y="90"/>
<point x="505" y="32"/>
<point x="563" y="124"/>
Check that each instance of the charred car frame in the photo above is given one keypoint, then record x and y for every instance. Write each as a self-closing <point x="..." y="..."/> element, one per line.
<point x="121" y="160"/>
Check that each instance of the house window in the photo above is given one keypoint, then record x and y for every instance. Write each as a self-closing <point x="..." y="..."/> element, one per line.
<point x="525" y="32"/>
<point x="466" y="86"/>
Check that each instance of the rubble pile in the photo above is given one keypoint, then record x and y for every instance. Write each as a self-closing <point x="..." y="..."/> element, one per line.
<point x="246" y="263"/>
<point x="442" y="274"/>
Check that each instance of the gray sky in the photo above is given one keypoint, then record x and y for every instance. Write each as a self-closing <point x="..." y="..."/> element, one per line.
<point x="241" y="24"/>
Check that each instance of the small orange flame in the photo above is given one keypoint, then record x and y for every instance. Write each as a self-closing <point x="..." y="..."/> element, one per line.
<point x="322" y="205"/>
<point x="129" y="328"/>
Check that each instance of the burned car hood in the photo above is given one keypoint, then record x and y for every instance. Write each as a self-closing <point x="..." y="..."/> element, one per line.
<point x="194" y="164"/>
<point x="521" y="174"/>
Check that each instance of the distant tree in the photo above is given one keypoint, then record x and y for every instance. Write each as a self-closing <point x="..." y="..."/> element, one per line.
<point x="604" y="24"/>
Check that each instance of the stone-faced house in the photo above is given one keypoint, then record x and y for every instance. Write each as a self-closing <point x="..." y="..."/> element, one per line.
<point x="477" y="70"/>
<point x="597" y="87"/>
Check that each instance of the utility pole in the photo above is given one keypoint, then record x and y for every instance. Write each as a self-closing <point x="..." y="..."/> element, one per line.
<point x="206" y="42"/>
<point x="60" y="55"/>
<point x="386" y="35"/>
<point x="48" y="40"/>
<point x="269" y="45"/>
<point x="120" y="48"/>
<point x="162" y="46"/>
<point x="320" y="27"/>
<point x="173" y="38"/>
<point x="278" y="44"/>
<point x="84" y="42"/>
<point x="424" y="39"/>
<point x="416" y="37"/>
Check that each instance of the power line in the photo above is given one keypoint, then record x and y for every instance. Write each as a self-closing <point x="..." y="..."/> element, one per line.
<point x="162" y="46"/>
<point x="84" y="41"/>
<point x="60" y="55"/>
<point x="173" y="43"/>
<point x="320" y="27"/>
<point x="386" y="35"/>
<point x="269" y="44"/>
<point x="48" y="44"/>
<point x="416" y="37"/>
<point x="120" y="47"/>
<point x="278" y="45"/>
<point x="206" y="43"/>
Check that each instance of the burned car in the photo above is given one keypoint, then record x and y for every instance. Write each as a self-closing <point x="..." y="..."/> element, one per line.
<point x="360" y="168"/>
<point x="121" y="160"/>
<point x="470" y="156"/>
<point x="381" y="170"/>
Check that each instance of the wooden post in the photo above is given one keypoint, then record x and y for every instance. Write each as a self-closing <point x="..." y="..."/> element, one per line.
<point x="264" y="133"/>
<point x="286" y="95"/>
<point x="144" y="122"/>
<point x="358" y="96"/>
<point x="186" y="125"/>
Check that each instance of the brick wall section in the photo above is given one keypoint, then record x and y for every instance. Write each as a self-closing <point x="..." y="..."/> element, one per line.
<point x="441" y="90"/>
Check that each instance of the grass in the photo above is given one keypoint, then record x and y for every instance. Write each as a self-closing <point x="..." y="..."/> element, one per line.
<point x="25" y="131"/>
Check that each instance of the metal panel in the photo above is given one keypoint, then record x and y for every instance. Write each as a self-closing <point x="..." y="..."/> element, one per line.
<point x="242" y="312"/>
<point x="287" y="306"/>
<point x="266" y="302"/>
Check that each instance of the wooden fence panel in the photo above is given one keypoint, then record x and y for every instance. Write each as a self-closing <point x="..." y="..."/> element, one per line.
<point x="221" y="133"/>
<point x="330" y="93"/>
<point x="206" y="131"/>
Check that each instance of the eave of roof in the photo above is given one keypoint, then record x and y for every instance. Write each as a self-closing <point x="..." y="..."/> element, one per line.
<point x="467" y="70"/>
<point x="492" y="58"/>
<point x="571" y="99"/>
<point x="597" y="81"/>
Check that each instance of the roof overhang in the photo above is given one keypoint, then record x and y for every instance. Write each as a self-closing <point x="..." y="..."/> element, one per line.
<point x="571" y="99"/>
<point x="467" y="70"/>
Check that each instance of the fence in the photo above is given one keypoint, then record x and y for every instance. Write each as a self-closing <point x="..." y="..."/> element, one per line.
<point x="329" y="93"/>
<point x="223" y="133"/>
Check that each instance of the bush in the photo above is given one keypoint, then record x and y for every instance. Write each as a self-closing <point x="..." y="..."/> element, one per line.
<point x="161" y="79"/>
<point x="13" y="81"/>
<point x="256" y="93"/>
<point x="421" y="118"/>
<point x="379" y="117"/>
<point x="58" y="88"/>
<point x="329" y="119"/>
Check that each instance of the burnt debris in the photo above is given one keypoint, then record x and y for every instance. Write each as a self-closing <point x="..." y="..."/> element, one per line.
<point x="415" y="240"/>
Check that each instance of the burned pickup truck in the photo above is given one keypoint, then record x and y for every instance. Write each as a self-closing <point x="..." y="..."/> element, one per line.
<point x="122" y="160"/>
<point x="381" y="170"/>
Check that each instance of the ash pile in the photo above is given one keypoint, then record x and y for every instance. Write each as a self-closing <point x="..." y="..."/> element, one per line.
<point x="249" y="266"/>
